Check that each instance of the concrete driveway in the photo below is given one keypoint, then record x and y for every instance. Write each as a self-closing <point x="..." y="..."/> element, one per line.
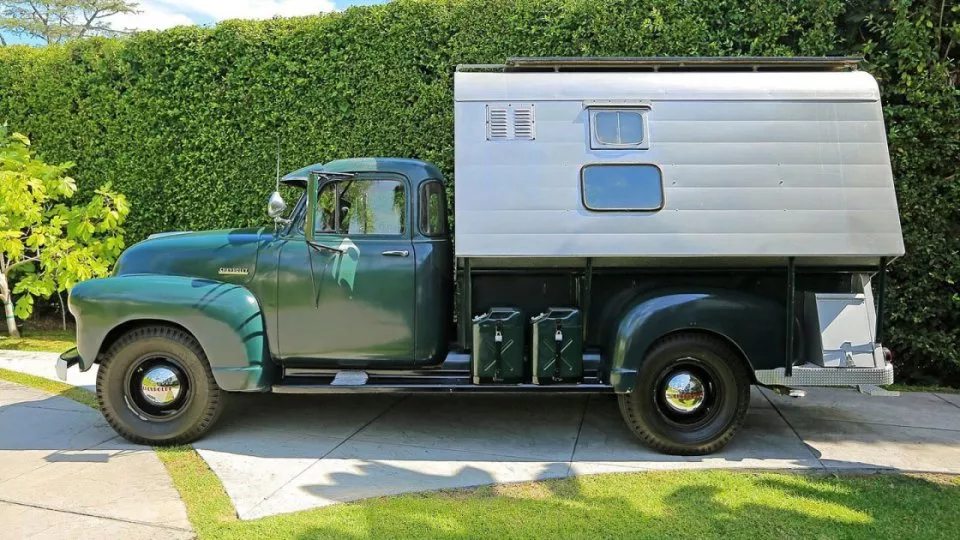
<point x="65" y="474"/>
<point x="281" y="453"/>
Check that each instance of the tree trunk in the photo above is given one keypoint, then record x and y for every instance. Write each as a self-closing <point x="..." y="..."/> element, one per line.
<point x="63" y="310"/>
<point x="11" y="322"/>
<point x="8" y="308"/>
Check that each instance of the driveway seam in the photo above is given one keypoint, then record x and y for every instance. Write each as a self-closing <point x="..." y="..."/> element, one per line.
<point x="528" y="459"/>
<point x="314" y="462"/>
<point x="946" y="400"/>
<point x="865" y="423"/>
<point x="794" y="430"/>
<point x="576" y="441"/>
<point x="24" y="405"/>
<point x="93" y="515"/>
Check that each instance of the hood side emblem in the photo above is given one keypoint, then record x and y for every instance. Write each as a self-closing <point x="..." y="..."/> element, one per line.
<point x="233" y="271"/>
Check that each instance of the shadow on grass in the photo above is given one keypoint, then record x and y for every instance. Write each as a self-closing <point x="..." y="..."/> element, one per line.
<point x="703" y="504"/>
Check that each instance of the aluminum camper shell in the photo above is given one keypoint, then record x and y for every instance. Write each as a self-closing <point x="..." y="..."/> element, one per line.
<point x="758" y="160"/>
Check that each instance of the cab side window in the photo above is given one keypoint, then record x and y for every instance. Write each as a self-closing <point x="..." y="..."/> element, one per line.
<point x="433" y="209"/>
<point x="362" y="207"/>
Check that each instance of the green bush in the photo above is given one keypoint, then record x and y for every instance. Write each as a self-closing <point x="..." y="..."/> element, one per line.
<point x="185" y="121"/>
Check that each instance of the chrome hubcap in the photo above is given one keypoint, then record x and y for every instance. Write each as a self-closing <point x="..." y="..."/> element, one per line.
<point x="160" y="386"/>
<point x="684" y="392"/>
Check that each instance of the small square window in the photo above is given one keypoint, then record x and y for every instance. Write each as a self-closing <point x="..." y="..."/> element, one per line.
<point x="618" y="129"/>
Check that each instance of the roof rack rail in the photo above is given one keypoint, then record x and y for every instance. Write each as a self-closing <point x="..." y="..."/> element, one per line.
<point x="670" y="63"/>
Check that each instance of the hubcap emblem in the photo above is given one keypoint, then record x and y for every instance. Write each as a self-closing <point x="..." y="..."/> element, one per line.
<point x="160" y="386"/>
<point x="684" y="392"/>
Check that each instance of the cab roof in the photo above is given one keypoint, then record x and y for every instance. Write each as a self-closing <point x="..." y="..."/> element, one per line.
<point x="414" y="169"/>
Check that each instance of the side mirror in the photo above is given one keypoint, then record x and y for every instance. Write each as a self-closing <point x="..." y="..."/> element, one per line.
<point x="276" y="206"/>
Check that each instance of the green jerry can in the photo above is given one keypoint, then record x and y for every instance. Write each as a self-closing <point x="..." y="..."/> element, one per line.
<point x="498" y="346"/>
<point x="557" y="346"/>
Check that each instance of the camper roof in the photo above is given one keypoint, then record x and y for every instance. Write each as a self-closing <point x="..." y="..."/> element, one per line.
<point x="669" y="63"/>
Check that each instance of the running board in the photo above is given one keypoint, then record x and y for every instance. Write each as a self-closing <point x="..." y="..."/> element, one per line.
<point x="327" y="388"/>
<point x="318" y="381"/>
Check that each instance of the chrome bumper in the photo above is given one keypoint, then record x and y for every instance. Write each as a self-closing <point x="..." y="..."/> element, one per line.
<point x="814" y="375"/>
<point x="67" y="360"/>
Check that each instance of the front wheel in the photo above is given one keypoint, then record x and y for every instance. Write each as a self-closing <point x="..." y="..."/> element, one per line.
<point x="691" y="396"/>
<point x="155" y="387"/>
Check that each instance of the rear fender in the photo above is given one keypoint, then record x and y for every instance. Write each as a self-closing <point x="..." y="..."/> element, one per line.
<point x="224" y="318"/>
<point x="751" y="324"/>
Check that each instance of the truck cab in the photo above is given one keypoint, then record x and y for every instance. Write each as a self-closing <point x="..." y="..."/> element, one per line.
<point x="378" y="267"/>
<point x="669" y="237"/>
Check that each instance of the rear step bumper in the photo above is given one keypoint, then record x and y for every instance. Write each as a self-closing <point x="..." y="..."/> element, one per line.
<point x="813" y="375"/>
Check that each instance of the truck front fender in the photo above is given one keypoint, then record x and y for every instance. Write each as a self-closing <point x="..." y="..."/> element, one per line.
<point x="224" y="318"/>
<point x="751" y="324"/>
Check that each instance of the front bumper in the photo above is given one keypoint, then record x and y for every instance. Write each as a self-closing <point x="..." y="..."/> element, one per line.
<point x="67" y="360"/>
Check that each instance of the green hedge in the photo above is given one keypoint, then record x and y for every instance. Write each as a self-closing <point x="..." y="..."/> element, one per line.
<point x="185" y="121"/>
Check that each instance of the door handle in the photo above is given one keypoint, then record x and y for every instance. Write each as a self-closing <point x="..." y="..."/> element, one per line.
<point x="395" y="253"/>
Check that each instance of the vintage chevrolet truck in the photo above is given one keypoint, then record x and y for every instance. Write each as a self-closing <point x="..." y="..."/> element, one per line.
<point x="668" y="230"/>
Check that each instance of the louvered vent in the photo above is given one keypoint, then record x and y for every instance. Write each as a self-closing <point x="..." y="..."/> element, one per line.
<point x="523" y="124"/>
<point x="511" y="122"/>
<point x="498" y="121"/>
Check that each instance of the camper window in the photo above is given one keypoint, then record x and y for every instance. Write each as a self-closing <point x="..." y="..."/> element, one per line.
<point x="617" y="128"/>
<point x="628" y="187"/>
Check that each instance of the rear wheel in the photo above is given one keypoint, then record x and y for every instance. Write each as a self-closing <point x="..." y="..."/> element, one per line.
<point x="691" y="396"/>
<point x="155" y="387"/>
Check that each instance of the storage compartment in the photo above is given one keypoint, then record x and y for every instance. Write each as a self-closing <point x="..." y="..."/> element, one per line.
<point x="498" y="346"/>
<point x="557" y="352"/>
<point x="846" y="325"/>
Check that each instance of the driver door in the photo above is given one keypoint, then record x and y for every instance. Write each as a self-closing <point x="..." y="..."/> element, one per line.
<point x="351" y="306"/>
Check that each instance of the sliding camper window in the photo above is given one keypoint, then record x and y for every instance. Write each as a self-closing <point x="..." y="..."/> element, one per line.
<point x="618" y="129"/>
<point x="621" y="187"/>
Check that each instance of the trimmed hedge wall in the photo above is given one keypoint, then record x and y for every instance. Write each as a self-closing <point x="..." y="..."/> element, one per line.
<point x="185" y="122"/>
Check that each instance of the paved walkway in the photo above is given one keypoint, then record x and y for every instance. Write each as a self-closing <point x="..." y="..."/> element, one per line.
<point x="65" y="474"/>
<point x="281" y="453"/>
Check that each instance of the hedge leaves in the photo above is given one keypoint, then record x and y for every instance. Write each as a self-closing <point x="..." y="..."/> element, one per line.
<point x="185" y="122"/>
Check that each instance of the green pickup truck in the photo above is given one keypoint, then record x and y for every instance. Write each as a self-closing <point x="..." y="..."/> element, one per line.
<point x="671" y="231"/>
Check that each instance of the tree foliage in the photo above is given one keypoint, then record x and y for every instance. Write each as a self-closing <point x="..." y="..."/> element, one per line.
<point x="185" y="121"/>
<point x="46" y="244"/>
<point x="56" y="21"/>
<point x="912" y="48"/>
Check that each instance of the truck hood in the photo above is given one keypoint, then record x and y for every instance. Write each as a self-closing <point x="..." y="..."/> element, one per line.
<point x="228" y="255"/>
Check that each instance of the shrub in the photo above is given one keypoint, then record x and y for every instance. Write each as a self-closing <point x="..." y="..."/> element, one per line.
<point x="185" y="121"/>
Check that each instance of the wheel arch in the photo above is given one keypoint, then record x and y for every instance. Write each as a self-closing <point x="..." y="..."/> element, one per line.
<point x="734" y="347"/>
<point x="126" y="327"/>
<point x="225" y="319"/>
<point x="752" y="326"/>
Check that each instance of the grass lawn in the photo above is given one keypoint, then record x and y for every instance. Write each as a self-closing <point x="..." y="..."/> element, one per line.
<point x="689" y="504"/>
<point x="39" y="340"/>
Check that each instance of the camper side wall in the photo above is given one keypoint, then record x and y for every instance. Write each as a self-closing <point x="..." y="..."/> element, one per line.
<point x="732" y="167"/>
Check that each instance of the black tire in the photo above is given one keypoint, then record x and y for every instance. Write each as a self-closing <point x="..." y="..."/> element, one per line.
<point x="198" y="404"/>
<point x="726" y="396"/>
